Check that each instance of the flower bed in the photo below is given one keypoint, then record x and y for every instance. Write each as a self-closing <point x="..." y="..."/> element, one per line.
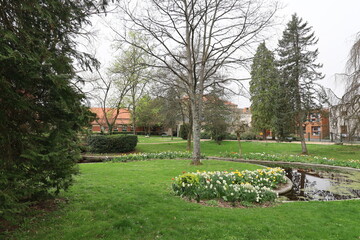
<point x="293" y="158"/>
<point x="146" y="156"/>
<point x="245" y="186"/>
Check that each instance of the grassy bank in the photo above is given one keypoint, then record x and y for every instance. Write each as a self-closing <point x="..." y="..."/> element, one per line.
<point x="134" y="201"/>
<point x="210" y="148"/>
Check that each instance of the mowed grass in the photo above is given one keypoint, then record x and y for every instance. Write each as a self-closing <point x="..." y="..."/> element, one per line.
<point x="134" y="201"/>
<point x="210" y="148"/>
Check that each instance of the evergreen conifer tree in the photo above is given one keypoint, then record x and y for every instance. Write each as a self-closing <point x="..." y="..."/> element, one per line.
<point x="41" y="110"/>
<point x="264" y="77"/>
<point x="299" y="71"/>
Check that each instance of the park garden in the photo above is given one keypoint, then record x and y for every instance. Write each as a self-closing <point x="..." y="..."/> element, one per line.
<point x="135" y="199"/>
<point x="172" y="63"/>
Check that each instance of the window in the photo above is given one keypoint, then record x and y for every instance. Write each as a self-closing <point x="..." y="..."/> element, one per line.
<point x="314" y="117"/>
<point x="343" y="129"/>
<point x="316" y="131"/>
<point x="304" y="129"/>
<point x="124" y="128"/>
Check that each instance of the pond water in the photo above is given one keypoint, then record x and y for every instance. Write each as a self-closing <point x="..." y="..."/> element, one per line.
<point x="320" y="184"/>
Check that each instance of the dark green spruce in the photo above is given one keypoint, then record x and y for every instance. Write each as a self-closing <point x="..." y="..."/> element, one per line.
<point x="41" y="110"/>
<point x="263" y="86"/>
<point x="299" y="72"/>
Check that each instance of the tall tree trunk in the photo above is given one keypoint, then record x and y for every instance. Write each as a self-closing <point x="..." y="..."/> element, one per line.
<point x="196" y="112"/>
<point x="239" y="144"/>
<point x="264" y="134"/>
<point x="301" y="133"/>
<point x="190" y="129"/>
<point x="110" y="129"/>
<point x="133" y="114"/>
<point x="189" y="136"/>
<point x="134" y="122"/>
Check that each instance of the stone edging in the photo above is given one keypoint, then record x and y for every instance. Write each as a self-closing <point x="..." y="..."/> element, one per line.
<point x="88" y="159"/>
<point x="284" y="188"/>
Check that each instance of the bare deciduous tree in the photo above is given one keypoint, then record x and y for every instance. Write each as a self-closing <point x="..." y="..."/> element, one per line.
<point x="131" y="65"/>
<point x="109" y="94"/>
<point x="202" y="38"/>
<point x="351" y="98"/>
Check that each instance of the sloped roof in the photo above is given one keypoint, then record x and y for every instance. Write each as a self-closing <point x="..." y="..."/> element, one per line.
<point x="124" y="116"/>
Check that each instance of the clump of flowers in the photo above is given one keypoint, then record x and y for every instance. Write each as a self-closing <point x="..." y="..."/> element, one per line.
<point x="235" y="186"/>
<point x="147" y="156"/>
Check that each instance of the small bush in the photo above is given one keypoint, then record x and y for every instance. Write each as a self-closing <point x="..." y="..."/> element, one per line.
<point x="184" y="130"/>
<point x="205" y="135"/>
<point x="218" y="137"/>
<point x="248" y="136"/>
<point x="231" y="137"/>
<point x="123" y="133"/>
<point x="112" y="143"/>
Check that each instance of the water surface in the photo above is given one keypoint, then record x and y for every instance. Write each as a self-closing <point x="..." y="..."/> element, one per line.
<point x="321" y="184"/>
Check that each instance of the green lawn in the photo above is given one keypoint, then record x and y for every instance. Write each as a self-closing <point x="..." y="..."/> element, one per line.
<point x="210" y="148"/>
<point x="133" y="201"/>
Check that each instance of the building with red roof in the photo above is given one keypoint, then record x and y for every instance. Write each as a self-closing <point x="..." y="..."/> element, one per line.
<point x="122" y="121"/>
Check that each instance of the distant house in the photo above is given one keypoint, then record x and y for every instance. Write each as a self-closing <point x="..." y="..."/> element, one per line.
<point x="316" y="126"/>
<point x="122" y="122"/>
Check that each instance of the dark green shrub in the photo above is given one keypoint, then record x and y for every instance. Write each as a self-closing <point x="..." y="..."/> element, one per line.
<point x="112" y="143"/>
<point x="137" y="133"/>
<point x="205" y="135"/>
<point x="184" y="130"/>
<point x="218" y="137"/>
<point x="124" y="133"/>
<point x="230" y="137"/>
<point x="248" y="136"/>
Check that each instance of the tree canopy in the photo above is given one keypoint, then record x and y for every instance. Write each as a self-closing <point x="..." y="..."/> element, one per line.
<point x="202" y="38"/>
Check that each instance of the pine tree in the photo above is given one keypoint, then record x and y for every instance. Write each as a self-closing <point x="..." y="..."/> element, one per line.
<point x="299" y="71"/>
<point x="41" y="110"/>
<point x="264" y="77"/>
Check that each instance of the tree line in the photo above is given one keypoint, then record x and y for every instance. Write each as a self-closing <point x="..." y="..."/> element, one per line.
<point x="284" y="88"/>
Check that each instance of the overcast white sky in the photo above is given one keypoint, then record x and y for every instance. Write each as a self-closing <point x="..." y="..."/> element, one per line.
<point x="335" y="23"/>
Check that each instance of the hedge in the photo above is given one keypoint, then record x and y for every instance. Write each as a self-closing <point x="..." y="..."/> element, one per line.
<point x="112" y="143"/>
